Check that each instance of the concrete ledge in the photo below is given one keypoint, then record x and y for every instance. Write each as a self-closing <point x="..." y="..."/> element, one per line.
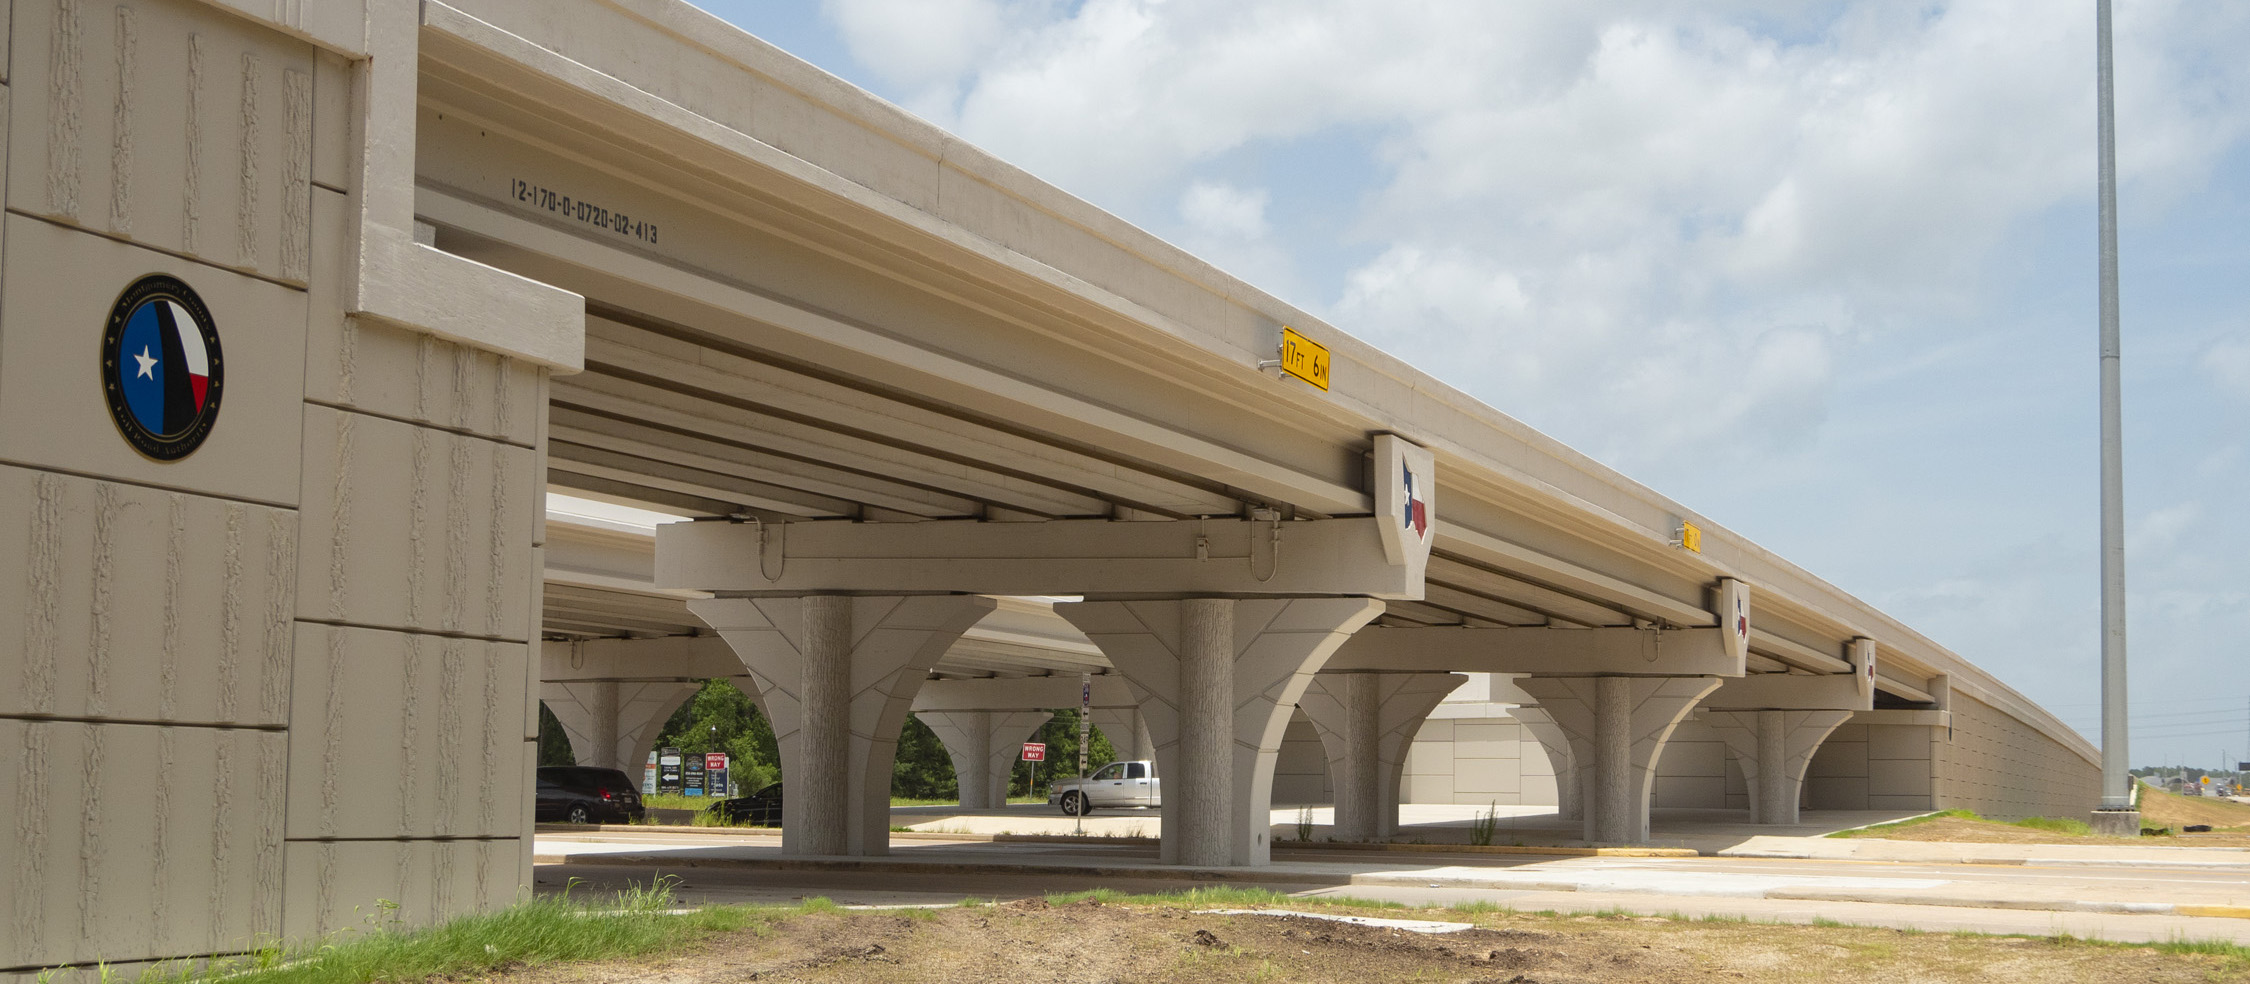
<point x="1151" y="872"/>
<point x="1518" y="849"/>
<point x="1094" y="839"/>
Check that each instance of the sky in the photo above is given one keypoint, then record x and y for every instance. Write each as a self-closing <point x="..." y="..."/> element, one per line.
<point x="1823" y="272"/>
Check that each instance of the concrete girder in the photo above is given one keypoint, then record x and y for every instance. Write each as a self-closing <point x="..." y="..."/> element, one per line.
<point x="1037" y="693"/>
<point x="1474" y="605"/>
<point x="1790" y="692"/>
<point x="983" y="745"/>
<point x="1217" y="680"/>
<point x="670" y="658"/>
<point x="778" y="392"/>
<point x="1064" y="557"/>
<point x="1617" y="727"/>
<point x="1795" y="653"/>
<point x="1548" y="604"/>
<point x="837" y="675"/>
<point x="1521" y="561"/>
<point x="1366" y="723"/>
<point x="799" y="332"/>
<point x="726" y="438"/>
<point x="1774" y="747"/>
<point x="581" y="444"/>
<point x="1547" y="652"/>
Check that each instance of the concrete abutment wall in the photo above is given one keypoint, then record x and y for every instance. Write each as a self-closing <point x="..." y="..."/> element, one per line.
<point x="257" y="688"/>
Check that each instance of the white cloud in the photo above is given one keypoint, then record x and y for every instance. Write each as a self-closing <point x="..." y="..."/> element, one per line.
<point x="1224" y="211"/>
<point x="2160" y="530"/>
<point x="2228" y="364"/>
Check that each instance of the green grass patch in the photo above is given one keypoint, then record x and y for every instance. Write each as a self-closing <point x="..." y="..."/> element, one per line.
<point x="2233" y="957"/>
<point x="2054" y="825"/>
<point x="2059" y="825"/>
<point x="541" y="930"/>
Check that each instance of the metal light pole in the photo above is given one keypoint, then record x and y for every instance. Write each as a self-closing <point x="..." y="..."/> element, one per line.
<point x="2117" y="794"/>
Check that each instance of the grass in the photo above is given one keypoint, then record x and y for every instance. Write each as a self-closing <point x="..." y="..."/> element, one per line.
<point x="1480" y="833"/>
<point x="2075" y="828"/>
<point x="540" y="930"/>
<point x="2057" y="825"/>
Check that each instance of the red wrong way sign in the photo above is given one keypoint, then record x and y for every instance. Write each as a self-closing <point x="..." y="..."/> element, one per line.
<point x="1035" y="751"/>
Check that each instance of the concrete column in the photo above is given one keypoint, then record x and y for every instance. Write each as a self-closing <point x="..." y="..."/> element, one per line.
<point x="1569" y="804"/>
<point x="817" y="806"/>
<point x="613" y="723"/>
<point x="836" y="676"/>
<point x="1358" y="796"/>
<point x="1206" y="756"/>
<point x="1192" y="670"/>
<point x="1771" y="802"/>
<point x="1367" y="723"/>
<point x="1774" y="748"/>
<point x="1613" y="819"/>
<point x="1617" y="727"/>
<point x="983" y="746"/>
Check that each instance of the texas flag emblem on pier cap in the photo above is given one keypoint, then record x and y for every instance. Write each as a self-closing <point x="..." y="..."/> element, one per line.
<point x="1405" y="499"/>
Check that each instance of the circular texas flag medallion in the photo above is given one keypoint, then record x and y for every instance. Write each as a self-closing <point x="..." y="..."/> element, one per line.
<point x="161" y="368"/>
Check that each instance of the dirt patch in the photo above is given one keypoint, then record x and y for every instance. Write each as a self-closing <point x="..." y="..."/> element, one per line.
<point x="1094" y="942"/>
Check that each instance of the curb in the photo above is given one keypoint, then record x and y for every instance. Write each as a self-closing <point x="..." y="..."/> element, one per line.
<point x="1392" y="879"/>
<point x="1513" y="849"/>
<point x="1096" y="840"/>
<point x="1252" y="876"/>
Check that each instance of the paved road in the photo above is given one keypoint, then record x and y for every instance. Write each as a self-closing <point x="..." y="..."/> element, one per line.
<point x="2117" y="899"/>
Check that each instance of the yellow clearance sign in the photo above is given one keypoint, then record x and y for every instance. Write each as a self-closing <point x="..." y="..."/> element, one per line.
<point x="1304" y="358"/>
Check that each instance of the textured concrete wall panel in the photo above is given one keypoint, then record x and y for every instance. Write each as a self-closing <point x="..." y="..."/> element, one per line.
<point x="415" y="528"/>
<point x="167" y="123"/>
<point x="1997" y="766"/>
<point x="143" y="604"/>
<point x="404" y="735"/>
<point x="1476" y="760"/>
<point x="57" y="415"/>
<point x="138" y="839"/>
<point x="338" y="885"/>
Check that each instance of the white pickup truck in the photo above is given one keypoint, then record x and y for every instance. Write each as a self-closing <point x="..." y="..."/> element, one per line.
<point x="1118" y="784"/>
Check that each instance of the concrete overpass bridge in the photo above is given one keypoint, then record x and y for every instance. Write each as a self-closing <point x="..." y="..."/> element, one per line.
<point x="463" y="251"/>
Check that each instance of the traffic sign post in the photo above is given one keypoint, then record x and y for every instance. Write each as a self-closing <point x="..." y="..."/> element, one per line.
<point x="1085" y="729"/>
<point x="715" y="777"/>
<point x="1034" y="752"/>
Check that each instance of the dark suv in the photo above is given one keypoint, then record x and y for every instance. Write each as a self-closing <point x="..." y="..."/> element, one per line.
<point x="582" y="794"/>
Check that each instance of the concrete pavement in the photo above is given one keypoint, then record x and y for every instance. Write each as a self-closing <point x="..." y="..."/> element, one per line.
<point x="2125" y="891"/>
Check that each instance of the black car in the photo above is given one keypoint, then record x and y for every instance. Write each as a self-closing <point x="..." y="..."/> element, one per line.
<point x="582" y="794"/>
<point x="762" y="808"/>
